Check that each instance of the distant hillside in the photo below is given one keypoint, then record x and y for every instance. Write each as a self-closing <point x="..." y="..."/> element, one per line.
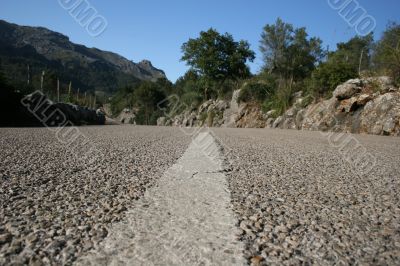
<point x="52" y="52"/>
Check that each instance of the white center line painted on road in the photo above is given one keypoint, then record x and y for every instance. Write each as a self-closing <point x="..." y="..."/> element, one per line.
<point x="185" y="220"/>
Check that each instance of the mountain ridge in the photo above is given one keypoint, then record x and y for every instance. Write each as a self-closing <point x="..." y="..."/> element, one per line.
<point x="88" y="68"/>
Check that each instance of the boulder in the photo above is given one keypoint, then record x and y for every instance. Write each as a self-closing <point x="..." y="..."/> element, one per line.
<point x="168" y="123"/>
<point x="161" y="121"/>
<point x="289" y="123"/>
<point x="382" y="83"/>
<point x="191" y="119"/>
<point x="178" y="120"/>
<point x="354" y="103"/>
<point x="278" y="121"/>
<point x="127" y="118"/>
<point x="221" y="105"/>
<point x="184" y="119"/>
<point x="250" y="116"/>
<point x="316" y="114"/>
<point x="346" y="105"/>
<point x="270" y="113"/>
<point x="291" y="112"/>
<point x="269" y="123"/>
<point x="231" y="112"/>
<point x="204" y="106"/>
<point x="363" y="99"/>
<point x="348" y="89"/>
<point x="241" y="111"/>
<point x="211" y="108"/>
<point x="59" y="114"/>
<point x="299" y="118"/>
<point x="381" y="116"/>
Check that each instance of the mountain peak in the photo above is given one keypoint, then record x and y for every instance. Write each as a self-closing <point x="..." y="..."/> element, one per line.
<point x="145" y="62"/>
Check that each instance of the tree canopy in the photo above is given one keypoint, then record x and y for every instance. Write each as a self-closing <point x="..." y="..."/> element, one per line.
<point x="387" y="55"/>
<point x="147" y="95"/>
<point x="288" y="51"/>
<point x="356" y="53"/>
<point x="218" y="57"/>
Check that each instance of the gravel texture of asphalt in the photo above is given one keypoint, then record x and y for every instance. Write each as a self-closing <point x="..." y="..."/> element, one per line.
<point x="57" y="200"/>
<point x="297" y="197"/>
<point x="186" y="219"/>
<point x="300" y="201"/>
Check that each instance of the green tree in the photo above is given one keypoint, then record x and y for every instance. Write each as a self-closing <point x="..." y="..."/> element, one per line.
<point x="165" y="85"/>
<point x="290" y="56"/>
<point x="188" y="82"/>
<point x="147" y="96"/>
<point x="355" y="53"/>
<point x="189" y="88"/>
<point x="122" y="99"/>
<point x="216" y="57"/>
<point x="329" y="75"/>
<point x="387" y="51"/>
<point x="288" y="52"/>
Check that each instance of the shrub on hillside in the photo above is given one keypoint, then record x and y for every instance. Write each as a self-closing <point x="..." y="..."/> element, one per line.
<point x="329" y="75"/>
<point x="387" y="52"/>
<point x="122" y="99"/>
<point x="191" y="99"/>
<point x="279" y="101"/>
<point x="255" y="91"/>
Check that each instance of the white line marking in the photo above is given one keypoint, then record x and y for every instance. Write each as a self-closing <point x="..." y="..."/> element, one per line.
<point x="185" y="220"/>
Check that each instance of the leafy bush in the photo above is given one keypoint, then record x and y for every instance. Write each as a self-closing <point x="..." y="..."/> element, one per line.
<point x="203" y="118"/>
<point x="141" y="117"/>
<point x="122" y="99"/>
<point x="254" y="92"/>
<point x="210" y="118"/>
<point x="279" y="101"/>
<point x="307" y="100"/>
<point x="387" y="51"/>
<point x="375" y="85"/>
<point x="329" y="75"/>
<point x="192" y="99"/>
<point x="225" y="91"/>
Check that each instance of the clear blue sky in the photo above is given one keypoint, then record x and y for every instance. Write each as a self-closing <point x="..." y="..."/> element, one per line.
<point x="156" y="29"/>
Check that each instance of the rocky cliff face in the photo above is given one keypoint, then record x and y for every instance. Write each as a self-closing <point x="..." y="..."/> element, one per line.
<point x="219" y="113"/>
<point x="370" y="106"/>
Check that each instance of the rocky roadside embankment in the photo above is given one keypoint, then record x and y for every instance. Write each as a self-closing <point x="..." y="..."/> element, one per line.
<point x="370" y="106"/>
<point x="37" y="110"/>
<point x="38" y="104"/>
<point x="126" y="117"/>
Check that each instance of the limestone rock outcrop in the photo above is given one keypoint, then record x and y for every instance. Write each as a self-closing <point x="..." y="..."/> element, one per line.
<point x="369" y="105"/>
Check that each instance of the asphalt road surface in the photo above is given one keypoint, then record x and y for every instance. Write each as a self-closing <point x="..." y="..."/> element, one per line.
<point x="128" y="195"/>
